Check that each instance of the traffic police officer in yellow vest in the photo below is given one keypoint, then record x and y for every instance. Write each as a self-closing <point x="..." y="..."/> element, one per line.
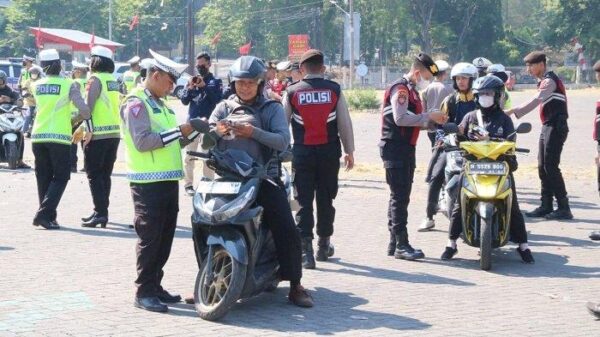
<point x="153" y="143"/>
<point x="101" y="152"/>
<point x="131" y="77"/>
<point x="51" y="135"/>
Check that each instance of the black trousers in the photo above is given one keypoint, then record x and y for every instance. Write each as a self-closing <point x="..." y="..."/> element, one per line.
<point x="277" y="215"/>
<point x="156" y="206"/>
<point x="518" y="233"/>
<point x="551" y="143"/>
<point x="315" y="171"/>
<point x="437" y="175"/>
<point x="52" y="172"/>
<point x="99" y="157"/>
<point x="399" y="179"/>
<point x="74" y="158"/>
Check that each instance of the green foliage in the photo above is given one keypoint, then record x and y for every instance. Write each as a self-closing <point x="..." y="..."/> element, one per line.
<point x="362" y="99"/>
<point x="566" y="74"/>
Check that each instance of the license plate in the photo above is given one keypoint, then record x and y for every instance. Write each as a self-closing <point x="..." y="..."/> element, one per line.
<point x="495" y="169"/>
<point x="219" y="187"/>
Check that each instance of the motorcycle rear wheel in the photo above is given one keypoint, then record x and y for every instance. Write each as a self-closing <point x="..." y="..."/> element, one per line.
<point x="214" y="300"/>
<point x="485" y="240"/>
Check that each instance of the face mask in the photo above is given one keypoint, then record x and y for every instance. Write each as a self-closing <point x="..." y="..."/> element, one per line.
<point x="485" y="101"/>
<point x="422" y="84"/>
<point x="202" y="70"/>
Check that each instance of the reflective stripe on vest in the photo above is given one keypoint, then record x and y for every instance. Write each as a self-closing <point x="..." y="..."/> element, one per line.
<point x="53" y="119"/>
<point x="162" y="164"/>
<point x="105" y="113"/>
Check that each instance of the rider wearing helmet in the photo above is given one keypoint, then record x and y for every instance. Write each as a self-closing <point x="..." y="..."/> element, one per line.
<point x="260" y="128"/>
<point x="456" y="106"/>
<point x="482" y="64"/>
<point x="7" y="95"/>
<point x="490" y="121"/>
<point x="499" y="71"/>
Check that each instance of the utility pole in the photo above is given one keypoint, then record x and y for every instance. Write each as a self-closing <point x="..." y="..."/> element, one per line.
<point x="351" y="3"/>
<point x="190" y="34"/>
<point x="110" y="20"/>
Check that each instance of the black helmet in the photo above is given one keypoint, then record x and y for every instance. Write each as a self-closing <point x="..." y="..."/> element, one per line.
<point x="249" y="67"/>
<point x="489" y="84"/>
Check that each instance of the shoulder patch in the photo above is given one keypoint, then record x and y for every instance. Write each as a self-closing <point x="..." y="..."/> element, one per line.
<point x="134" y="106"/>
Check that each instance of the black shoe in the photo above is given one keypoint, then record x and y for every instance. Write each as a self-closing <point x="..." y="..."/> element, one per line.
<point x="88" y="218"/>
<point x="46" y="224"/>
<point x="325" y="249"/>
<point x="308" y="254"/>
<point x="95" y="221"/>
<point x="190" y="191"/>
<point x="594" y="309"/>
<point x="165" y="297"/>
<point x="392" y="245"/>
<point x="22" y="165"/>
<point x="560" y="214"/>
<point x="404" y="250"/>
<point x="595" y="235"/>
<point x="449" y="253"/>
<point x="150" y="303"/>
<point x="526" y="255"/>
<point x="539" y="212"/>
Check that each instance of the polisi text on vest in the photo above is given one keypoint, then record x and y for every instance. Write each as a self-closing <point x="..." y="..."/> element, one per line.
<point x="314" y="97"/>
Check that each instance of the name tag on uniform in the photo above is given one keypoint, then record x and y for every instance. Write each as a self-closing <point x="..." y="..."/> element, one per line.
<point x="314" y="97"/>
<point x="47" y="89"/>
<point x="112" y="85"/>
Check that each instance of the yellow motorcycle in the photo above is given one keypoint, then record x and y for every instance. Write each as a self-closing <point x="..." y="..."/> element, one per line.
<point x="486" y="194"/>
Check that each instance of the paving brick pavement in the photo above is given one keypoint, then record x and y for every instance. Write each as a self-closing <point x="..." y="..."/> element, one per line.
<point x="79" y="282"/>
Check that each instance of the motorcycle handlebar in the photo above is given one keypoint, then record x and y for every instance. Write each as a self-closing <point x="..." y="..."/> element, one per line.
<point x="198" y="154"/>
<point x="522" y="150"/>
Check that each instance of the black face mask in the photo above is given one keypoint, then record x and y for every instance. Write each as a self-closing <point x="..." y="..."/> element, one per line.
<point x="202" y="70"/>
<point x="24" y="63"/>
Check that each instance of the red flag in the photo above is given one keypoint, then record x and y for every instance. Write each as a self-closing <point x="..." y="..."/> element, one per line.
<point x="92" y="40"/>
<point x="216" y="39"/>
<point x="245" y="49"/>
<point x="134" y="22"/>
<point x="38" y="38"/>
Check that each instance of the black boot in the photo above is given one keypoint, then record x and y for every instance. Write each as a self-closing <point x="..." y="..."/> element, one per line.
<point x="95" y="221"/>
<point x="88" y="218"/>
<point x="544" y="209"/>
<point x="404" y="250"/>
<point x="308" y="254"/>
<point x="563" y="212"/>
<point x="325" y="249"/>
<point x="392" y="245"/>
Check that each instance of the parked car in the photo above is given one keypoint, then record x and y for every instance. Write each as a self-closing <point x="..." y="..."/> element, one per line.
<point x="180" y="85"/>
<point x="13" y="72"/>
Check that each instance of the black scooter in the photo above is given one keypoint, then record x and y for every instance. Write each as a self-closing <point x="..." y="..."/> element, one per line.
<point x="234" y="249"/>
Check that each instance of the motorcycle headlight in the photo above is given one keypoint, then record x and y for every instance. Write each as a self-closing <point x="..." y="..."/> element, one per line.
<point x="210" y="211"/>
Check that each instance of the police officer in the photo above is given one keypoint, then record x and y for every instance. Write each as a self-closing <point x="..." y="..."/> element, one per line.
<point x="552" y="101"/>
<point x="403" y="117"/>
<point x="154" y="167"/>
<point x="595" y="235"/>
<point x="482" y="64"/>
<point x="131" y="78"/>
<point x="455" y="106"/>
<point x="295" y="73"/>
<point x="319" y="118"/>
<point x="101" y="152"/>
<point x="202" y="93"/>
<point x="25" y="76"/>
<point x="79" y="76"/>
<point x="51" y="136"/>
<point x="488" y="92"/>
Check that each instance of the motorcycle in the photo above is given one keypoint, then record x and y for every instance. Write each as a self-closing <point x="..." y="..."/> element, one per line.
<point x="234" y="249"/>
<point x="452" y="170"/>
<point x="486" y="194"/>
<point x="11" y="125"/>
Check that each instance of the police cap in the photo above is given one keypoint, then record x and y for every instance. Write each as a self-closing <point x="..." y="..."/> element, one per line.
<point x="428" y="63"/>
<point x="293" y="66"/>
<point x="597" y="66"/>
<point x="535" y="57"/>
<point x="313" y="55"/>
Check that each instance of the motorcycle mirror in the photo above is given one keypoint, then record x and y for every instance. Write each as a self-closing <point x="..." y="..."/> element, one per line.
<point x="200" y="125"/>
<point x="450" y="128"/>
<point x="524" y="128"/>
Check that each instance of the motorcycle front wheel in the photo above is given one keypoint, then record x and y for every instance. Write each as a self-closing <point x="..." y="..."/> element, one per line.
<point x="485" y="240"/>
<point x="224" y="287"/>
<point x="12" y="155"/>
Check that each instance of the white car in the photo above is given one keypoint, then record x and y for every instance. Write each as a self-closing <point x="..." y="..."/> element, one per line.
<point x="13" y="72"/>
<point x="180" y="85"/>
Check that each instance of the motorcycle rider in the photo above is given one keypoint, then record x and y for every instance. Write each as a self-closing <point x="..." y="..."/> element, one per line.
<point x="488" y="94"/>
<point x="455" y="106"/>
<point x="402" y="119"/>
<point x="262" y="130"/>
<point x="8" y="96"/>
<point x="435" y="93"/>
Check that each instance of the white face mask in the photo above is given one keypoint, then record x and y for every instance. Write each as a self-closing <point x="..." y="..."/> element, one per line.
<point x="485" y="101"/>
<point x="421" y="83"/>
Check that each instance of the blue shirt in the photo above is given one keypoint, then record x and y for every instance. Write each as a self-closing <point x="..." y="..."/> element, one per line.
<point x="202" y="101"/>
